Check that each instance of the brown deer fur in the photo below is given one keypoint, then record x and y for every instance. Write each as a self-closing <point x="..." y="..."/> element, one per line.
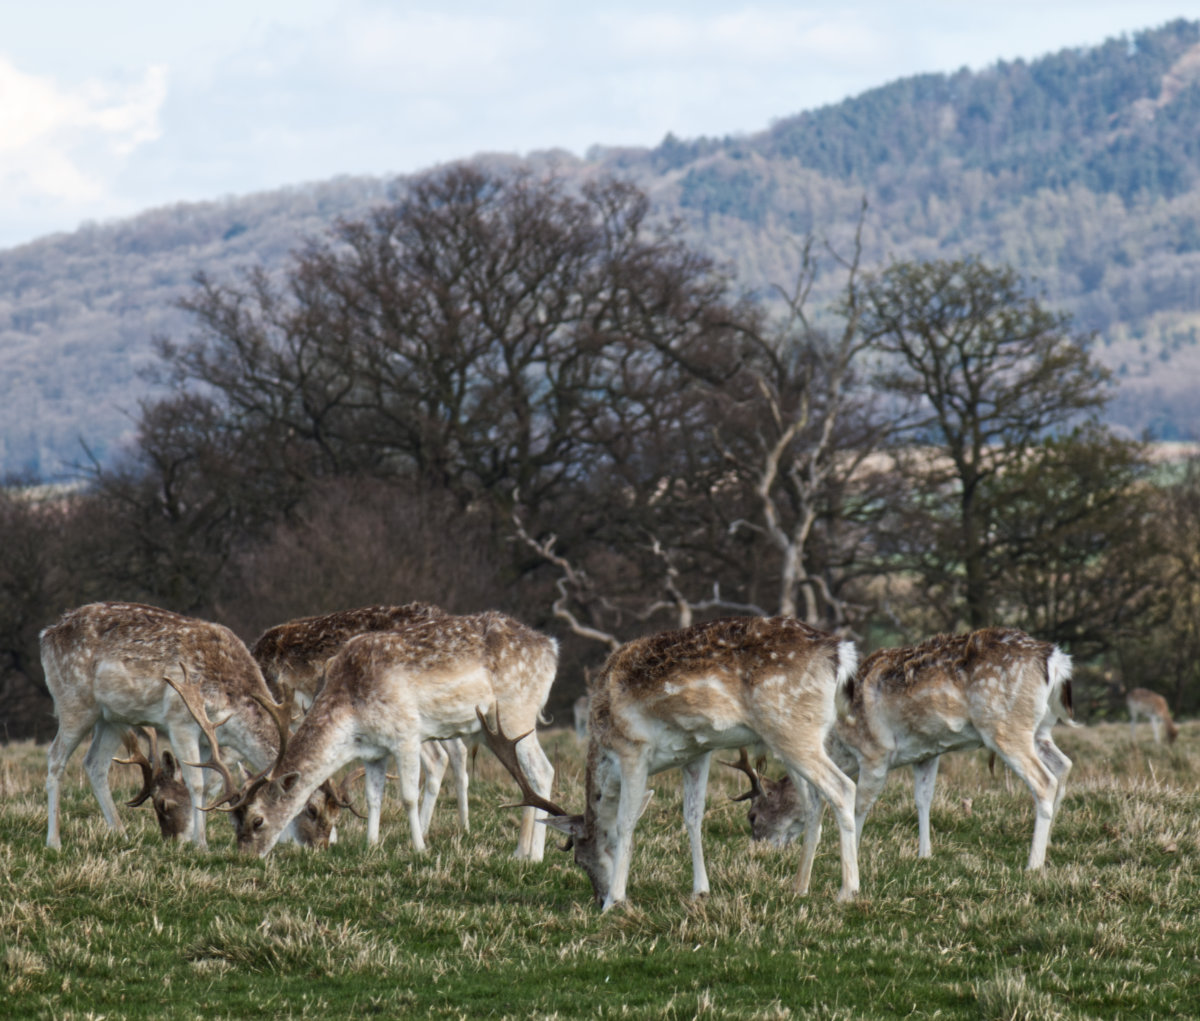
<point x="386" y="692"/>
<point x="1147" y="704"/>
<point x="293" y="657"/>
<point x="668" y="700"/>
<point x="162" y="784"/>
<point x="996" y="687"/>
<point x="105" y="665"/>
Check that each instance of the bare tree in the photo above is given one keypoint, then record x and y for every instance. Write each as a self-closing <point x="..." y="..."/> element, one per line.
<point x="987" y="373"/>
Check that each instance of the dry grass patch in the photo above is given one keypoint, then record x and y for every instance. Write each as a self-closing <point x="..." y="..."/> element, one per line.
<point x="132" y="928"/>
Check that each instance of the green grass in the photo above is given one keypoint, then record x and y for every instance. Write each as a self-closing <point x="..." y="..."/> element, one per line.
<point x="114" y="927"/>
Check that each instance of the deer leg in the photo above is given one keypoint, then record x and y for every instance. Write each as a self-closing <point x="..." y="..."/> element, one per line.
<point x="409" y="761"/>
<point x="532" y="842"/>
<point x="456" y="750"/>
<point x="1026" y="763"/>
<point x="1054" y="760"/>
<point x="813" y="811"/>
<point x="695" y="785"/>
<point x="630" y="805"/>
<point x="872" y="775"/>
<point x="1156" y="729"/>
<point x="65" y="742"/>
<point x="838" y="789"/>
<point x="186" y="743"/>
<point x="434" y="760"/>
<point x="374" y="780"/>
<point x="924" y="780"/>
<point x="106" y="741"/>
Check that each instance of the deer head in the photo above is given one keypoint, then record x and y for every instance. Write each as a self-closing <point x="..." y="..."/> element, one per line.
<point x="317" y="820"/>
<point x="162" y="783"/>
<point x="776" y="808"/>
<point x="593" y="855"/>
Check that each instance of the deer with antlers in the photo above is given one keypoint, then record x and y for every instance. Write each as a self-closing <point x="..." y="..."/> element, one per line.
<point x="669" y="700"/>
<point x="997" y="687"/>
<point x="293" y="657"/>
<point x="162" y="784"/>
<point x="107" y="667"/>
<point x="387" y="692"/>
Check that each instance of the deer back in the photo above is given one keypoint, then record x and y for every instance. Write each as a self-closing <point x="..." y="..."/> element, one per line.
<point x="918" y="701"/>
<point x="438" y="672"/>
<point x="722" y="683"/>
<point x="110" y="659"/>
<point x="293" y="655"/>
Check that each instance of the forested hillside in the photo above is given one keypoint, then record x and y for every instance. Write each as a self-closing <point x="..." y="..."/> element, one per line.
<point x="1080" y="169"/>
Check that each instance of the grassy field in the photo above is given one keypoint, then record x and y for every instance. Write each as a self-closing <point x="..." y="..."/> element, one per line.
<point x="113" y="927"/>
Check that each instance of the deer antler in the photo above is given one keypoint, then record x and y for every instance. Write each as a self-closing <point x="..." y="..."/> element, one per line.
<point x="340" y="792"/>
<point x="134" y="750"/>
<point x="743" y="764"/>
<point x="190" y="693"/>
<point x="281" y="713"/>
<point x="504" y="748"/>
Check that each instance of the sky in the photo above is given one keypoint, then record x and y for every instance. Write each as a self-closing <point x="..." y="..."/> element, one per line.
<point x="107" y="109"/>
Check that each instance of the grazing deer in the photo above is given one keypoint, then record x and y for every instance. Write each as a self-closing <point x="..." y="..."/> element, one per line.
<point x="1145" y="703"/>
<point x="293" y="655"/>
<point x="997" y="687"/>
<point x="384" y="694"/>
<point x="316" y="825"/>
<point x="669" y="700"/>
<point x="106" y="666"/>
<point x="162" y="783"/>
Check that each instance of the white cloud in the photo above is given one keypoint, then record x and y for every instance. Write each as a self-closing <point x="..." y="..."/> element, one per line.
<point x="67" y="143"/>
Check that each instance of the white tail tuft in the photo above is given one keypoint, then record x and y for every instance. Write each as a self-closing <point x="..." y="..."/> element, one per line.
<point x="1058" y="677"/>
<point x="847" y="667"/>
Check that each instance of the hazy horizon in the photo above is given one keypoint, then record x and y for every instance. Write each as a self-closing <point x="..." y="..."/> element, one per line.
<point x="140" y="106"/>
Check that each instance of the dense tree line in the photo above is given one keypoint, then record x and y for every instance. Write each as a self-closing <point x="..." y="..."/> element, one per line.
<point x="502" y="391"/>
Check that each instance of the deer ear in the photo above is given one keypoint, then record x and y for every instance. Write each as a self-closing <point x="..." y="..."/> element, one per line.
<point x="571" y="825"/>
<point x="170" y="764"/>
<point x="168" y="804"/>
<point x="287" y="781"/>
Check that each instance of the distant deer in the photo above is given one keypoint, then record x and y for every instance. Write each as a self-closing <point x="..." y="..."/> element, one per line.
<point x="579" y="710"/>
<point x="668" y="700"/>
<point x="1148" y="704"/>
<point x="384" y="694"/>
<point x="293" y="657"/>
<point x="106" y="666"/>
<point x="162" y="783"/>
<point x="997" y="687"/>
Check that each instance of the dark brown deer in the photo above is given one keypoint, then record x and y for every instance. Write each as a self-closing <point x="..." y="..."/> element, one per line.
<point x="668" y="701"/>
<point x="997" y="687"/>
<point x="162" y="784"/>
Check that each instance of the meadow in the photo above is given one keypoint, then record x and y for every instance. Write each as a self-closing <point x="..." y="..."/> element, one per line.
<point x="125" y="927"/>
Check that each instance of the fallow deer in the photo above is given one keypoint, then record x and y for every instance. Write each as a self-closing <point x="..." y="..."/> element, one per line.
<point x="106" y="665"/>
<point x="162" y="783"/>
<point x="1147" y="704"/>
<point x="314" y="826"/>
<point x="293" y="655"/>
<point x="669" y="700"/>
<point x="384" y="694"/>
<point x="579" y="711"/>
<point x="996" y="687"/>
